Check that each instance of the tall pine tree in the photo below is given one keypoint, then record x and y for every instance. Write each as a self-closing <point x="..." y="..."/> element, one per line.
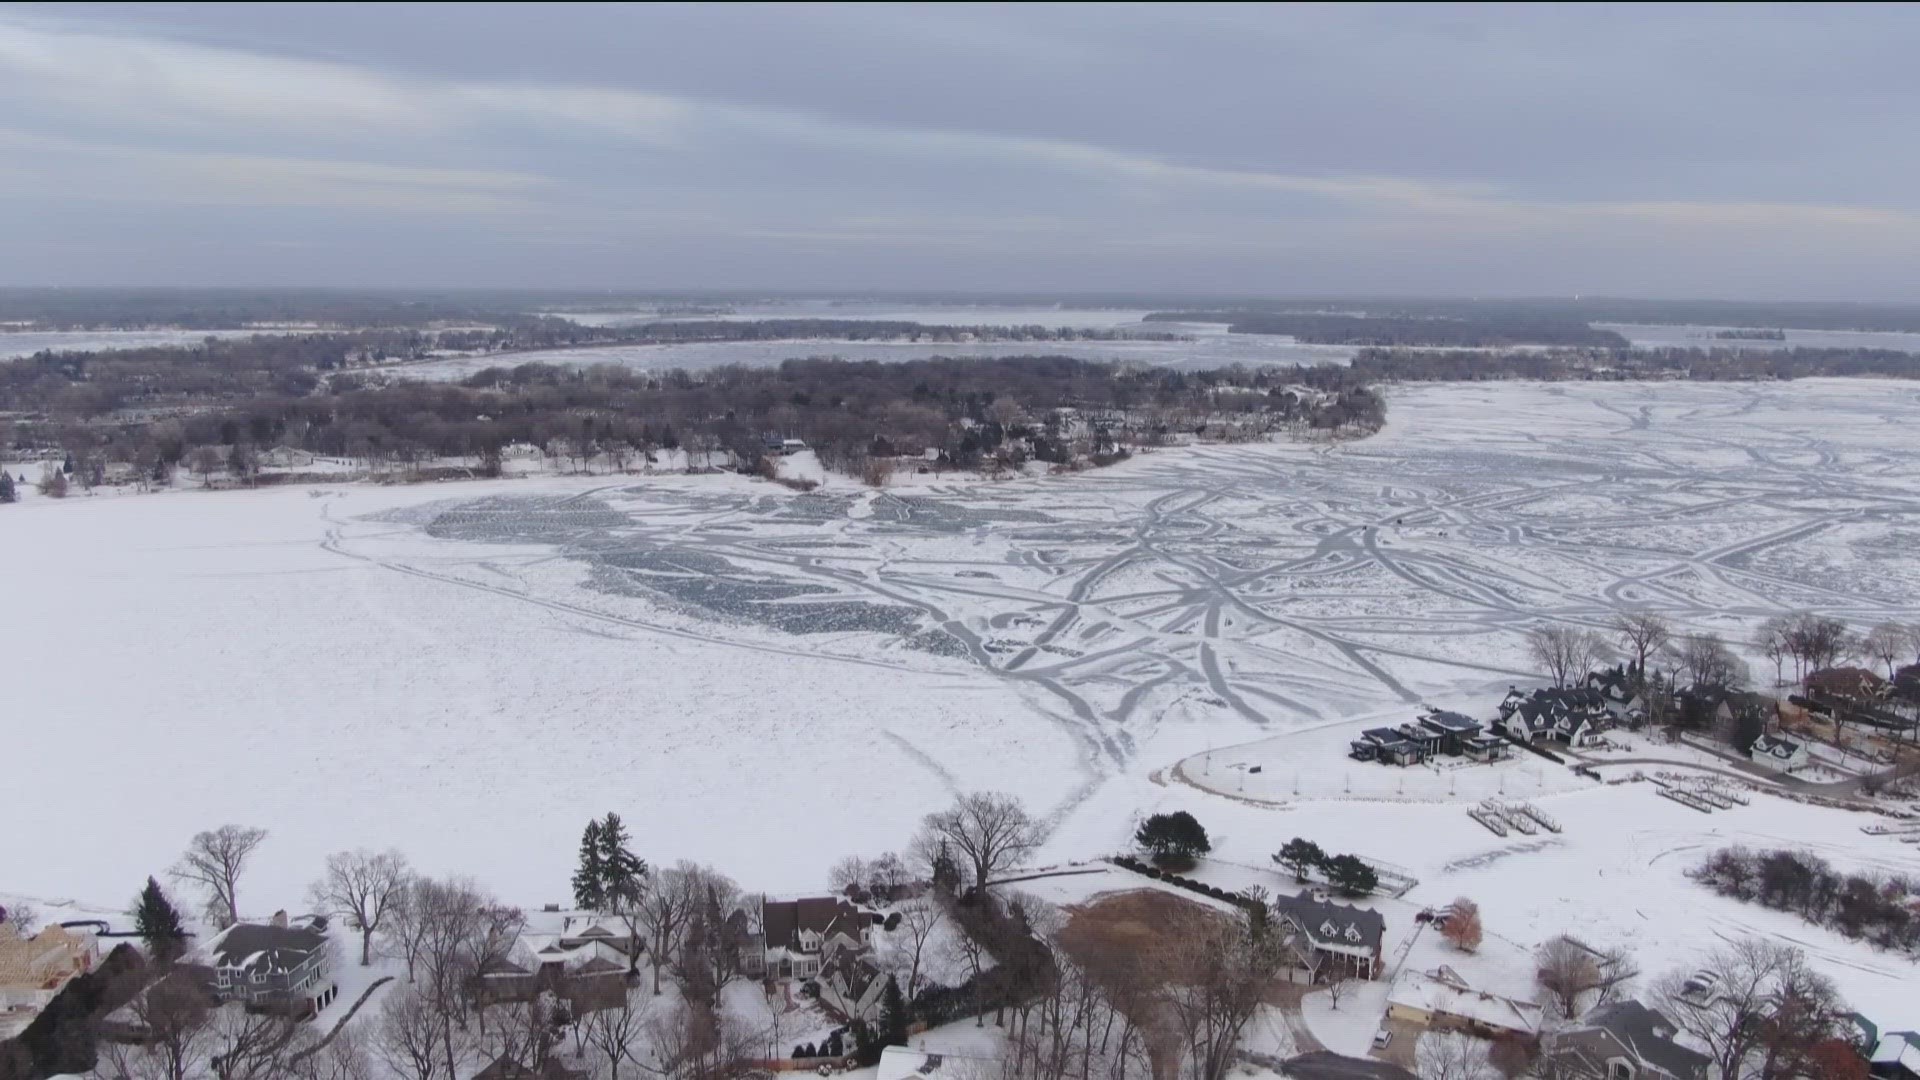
<point x="590" y="880"/>
<point x="893" y="1015"/>
<point x="610" y="877"/>
<point x="7" y="492"/>
<point x="621" y="871"/>
<point x="156" y="921"/>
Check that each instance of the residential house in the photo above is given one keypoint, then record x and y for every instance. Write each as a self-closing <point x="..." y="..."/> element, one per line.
<point x="796" y="933"/>
<point x="1897" y="1055"/>
<point x="1622" y="691"/>
<point x="279" y="966"/>
<point x="851" y="983"/>
<point x="579" y="964"/>
<point x="1443" y="999"/>
<point x="1625" y="1040"/>
<point x="1575" y="715"/>
<point x="1338" y="940"/>
<point x="1433" y="733"/>
<point x="901" y="1063"/>
<point x="1779" y="753"/>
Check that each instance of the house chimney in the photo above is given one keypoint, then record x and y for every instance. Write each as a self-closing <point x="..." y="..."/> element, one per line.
<point x="280" y="918"/>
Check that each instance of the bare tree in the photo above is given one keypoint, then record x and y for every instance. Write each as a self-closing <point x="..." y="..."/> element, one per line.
<point x="1234" y="970"/>
<point x="665" y="909"/>
<point x="1816" y="642"/>
<point x="1452" y="1055"/>
<point x="1724" y="1002"/>
<point x="1576" y="977"/>
<point x="1886" y="643"/>
<point x="691" y="1043"/>
<point x="617" y="1033"/>
<point x="1074" y="1031"/>
<point x="1773" y="641"/>
<point x="214" y="861"/>
<point x="1642" y="634"/>
<point x="1337" y="988"/>
<point x="919" y="921"/>
<point x="366" y="887"/>
<point x="332" y="1055"/>
<point x="206" y="461"/>
<point x="407" y="1041"/>
<point x="848" y="875"/>
<point x="246" y="1045"/>
<point x="1566" y="652"/>
<point x="990" y="831"/>
<point x="1706" y="661"/>
<point x="172" y="1016"/>
<point x="21" y="918"/>
<point x="407" y="925"/>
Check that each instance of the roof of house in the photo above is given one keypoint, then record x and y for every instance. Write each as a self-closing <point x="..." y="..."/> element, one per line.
<point x="1444" y="992"/>
<point x="1774" y="746"/>
<point x="1328" y="923"/>
<point x="902" y="1063"/>
<point x="1451" y="722"/>
<point x="1327" y="1065"/>
<point x="784" y="920"/>
<point x="1900" y="1048"/>
<point x="1649" y="1035"/>
<point x="853" y="972"/>
<point x="1383" y="736"/>
<point x="263" y="947"/>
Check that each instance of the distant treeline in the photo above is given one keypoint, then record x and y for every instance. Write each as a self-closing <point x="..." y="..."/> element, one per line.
<point x="1487" y="331"/>
<point x="97" y="383"/>
<point x="1703" y="365"/>
<point x="971" y="410"/>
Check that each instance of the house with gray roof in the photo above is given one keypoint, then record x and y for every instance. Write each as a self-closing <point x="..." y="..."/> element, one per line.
<point x="1625" y="1040"/>
<point x="279" y="966"/>
<point x="1343" y="941"/>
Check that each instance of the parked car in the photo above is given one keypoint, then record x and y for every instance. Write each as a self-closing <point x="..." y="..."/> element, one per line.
<point x="1381" y="1038"/>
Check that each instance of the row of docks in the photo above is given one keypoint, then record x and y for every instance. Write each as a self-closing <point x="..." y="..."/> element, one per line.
<point x="1701" y="794"/>
<point x="1907" y="832"/>
<point x="1500" y="818"/>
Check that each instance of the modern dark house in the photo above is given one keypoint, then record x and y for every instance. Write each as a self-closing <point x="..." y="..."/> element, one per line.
<point x="1432" y="734"/>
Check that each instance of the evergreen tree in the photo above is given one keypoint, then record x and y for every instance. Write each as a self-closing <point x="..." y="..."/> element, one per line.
<point x="893" y="1015"/>
<point x="621" y="871"/>
<point x="590" y="880"/>
<point x="1173" y="840"/>
<point x="1300" y="855"/>
<point x="946" y="872"/>
<point x="157" y="923"/>
<point x="7" y="492"/>
<point x="1351" y="875"/>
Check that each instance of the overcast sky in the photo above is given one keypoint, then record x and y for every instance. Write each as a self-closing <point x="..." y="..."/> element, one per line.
<point x="1714" y="152"/>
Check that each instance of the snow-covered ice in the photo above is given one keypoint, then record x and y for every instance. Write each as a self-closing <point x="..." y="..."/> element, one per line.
<point x="767" y="681"/>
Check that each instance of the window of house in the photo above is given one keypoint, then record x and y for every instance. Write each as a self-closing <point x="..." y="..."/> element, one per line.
<point x="1619" y="1070"/>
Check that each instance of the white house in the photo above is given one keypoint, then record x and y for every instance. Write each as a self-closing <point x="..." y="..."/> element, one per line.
<point x="1780" y="754"/>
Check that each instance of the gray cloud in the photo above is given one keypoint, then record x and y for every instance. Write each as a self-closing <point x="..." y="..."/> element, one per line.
<point x="1695" y="151"/>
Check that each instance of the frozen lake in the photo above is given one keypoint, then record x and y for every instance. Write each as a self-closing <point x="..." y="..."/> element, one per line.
<point x="381" y="666"/>
<point x="1204" y="351"/>
<point x="1702" y="337"/>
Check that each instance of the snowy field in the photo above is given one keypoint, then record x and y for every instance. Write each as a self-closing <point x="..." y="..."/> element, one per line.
<point x="767" y="681"/>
